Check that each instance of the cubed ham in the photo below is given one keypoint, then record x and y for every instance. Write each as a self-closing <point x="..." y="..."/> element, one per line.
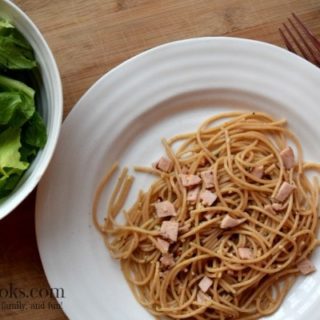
<point x="277" y="206"/>
<point x="192" y="195"/>
<point x="284" y="192"/>
<point x="169" y="230"/>
<point x="189" y="180"/>
<point x="162" y="245"/>
<point x="245" y="253"/>
<point x="205" y="284"/>
<point x="306" y="266"/>
<point x="208" y="198"/>
<point x="258" y="171"/>
<point x="207" y="177"/>
<point x="165" y="209"/>
<point x="229" y="222"/>
<point x="167" y="260"/>
<point x="202" y="298"/>
<point x="164" y="164"/>
<point x="287" y="157"/>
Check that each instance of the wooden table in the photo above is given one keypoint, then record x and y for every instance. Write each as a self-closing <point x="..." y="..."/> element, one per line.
<point x="88" y="38"/>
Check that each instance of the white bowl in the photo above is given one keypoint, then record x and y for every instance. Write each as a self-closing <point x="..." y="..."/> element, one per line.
<point x="49" y="104"/>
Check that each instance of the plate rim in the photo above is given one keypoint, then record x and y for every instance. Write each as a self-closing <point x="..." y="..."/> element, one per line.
<point x="178" y="42"/>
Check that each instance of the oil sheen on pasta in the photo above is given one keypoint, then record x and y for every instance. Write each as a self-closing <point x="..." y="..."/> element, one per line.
<point x="214" y="269"/>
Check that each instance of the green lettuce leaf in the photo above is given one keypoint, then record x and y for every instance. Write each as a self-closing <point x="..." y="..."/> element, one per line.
<point x="5" y="24"/>
<point x="9" y="182"/>
<point x="15" y="51"/>
<point x="34" y="132"/>
<point x="28" y="153"/>
<point x="9" y="102"/>
<point x="21" y="108"/>
<point x="9" y="151"/>
<point x="8" y="84"/>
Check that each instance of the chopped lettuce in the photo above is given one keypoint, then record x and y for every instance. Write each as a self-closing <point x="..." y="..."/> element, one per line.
<point x="22" y="130"/>
<point x="34" y="132"/>
<point x="9" y="151"/>
<point x="25" y="109"/>
<point x="15" y="51"/>
<point x="9" y="102"/>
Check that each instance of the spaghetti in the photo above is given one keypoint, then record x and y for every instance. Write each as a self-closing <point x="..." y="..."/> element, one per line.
<point x="227" y="226"/>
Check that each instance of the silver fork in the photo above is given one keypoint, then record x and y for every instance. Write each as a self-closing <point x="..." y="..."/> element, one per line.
<point x="300" y="40"/>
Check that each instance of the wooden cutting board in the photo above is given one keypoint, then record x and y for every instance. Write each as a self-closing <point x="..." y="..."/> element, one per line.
<point x="88" y="38"/>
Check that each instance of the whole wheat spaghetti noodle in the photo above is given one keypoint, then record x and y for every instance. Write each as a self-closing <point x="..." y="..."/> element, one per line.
<point x="226" y="227"/>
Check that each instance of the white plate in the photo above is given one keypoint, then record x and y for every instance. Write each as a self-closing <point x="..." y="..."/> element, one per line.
<point x="164" y="91"/>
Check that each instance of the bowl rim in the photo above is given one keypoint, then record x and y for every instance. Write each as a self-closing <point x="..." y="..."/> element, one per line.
<point x="22" y="191"/>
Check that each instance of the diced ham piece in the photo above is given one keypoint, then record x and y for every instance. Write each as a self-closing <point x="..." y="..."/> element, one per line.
<point x="169" y="230"/>
<point x="284" y="192"/>
<point x="167" y="260"/>
<point x="193" y="194"/>
<point x="306" y="266"/>
<point x="277" y="206"/>
<point x="162" y="245"/>
<point x="207" y="177"/>
<point x="258" y="171"/>
<point x="205" y="284"/>
<point x="202" y="297"/>
<point x="164" y="164"/>
<point x="287" y="157"/>
<point x="165" y="209"/>
<point x="208" y="198"/>
<point x="189" y="180"/>
<point x="229" y="222"/>
<point x="245" y="253"/>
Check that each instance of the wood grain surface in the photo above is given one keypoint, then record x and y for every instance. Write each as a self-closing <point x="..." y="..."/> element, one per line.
<point x="88" y="38"/>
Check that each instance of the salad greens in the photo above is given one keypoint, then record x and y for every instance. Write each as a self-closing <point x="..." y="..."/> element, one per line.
<point x="15" y="51"/>
<point x="22" y="130"/>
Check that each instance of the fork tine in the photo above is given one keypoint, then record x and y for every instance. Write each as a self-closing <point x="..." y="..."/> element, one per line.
<point x="310" y="50"/>
<point x="296" y="42"/>
<point x="312" y="37"/>
<point x="287" y="42"/>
